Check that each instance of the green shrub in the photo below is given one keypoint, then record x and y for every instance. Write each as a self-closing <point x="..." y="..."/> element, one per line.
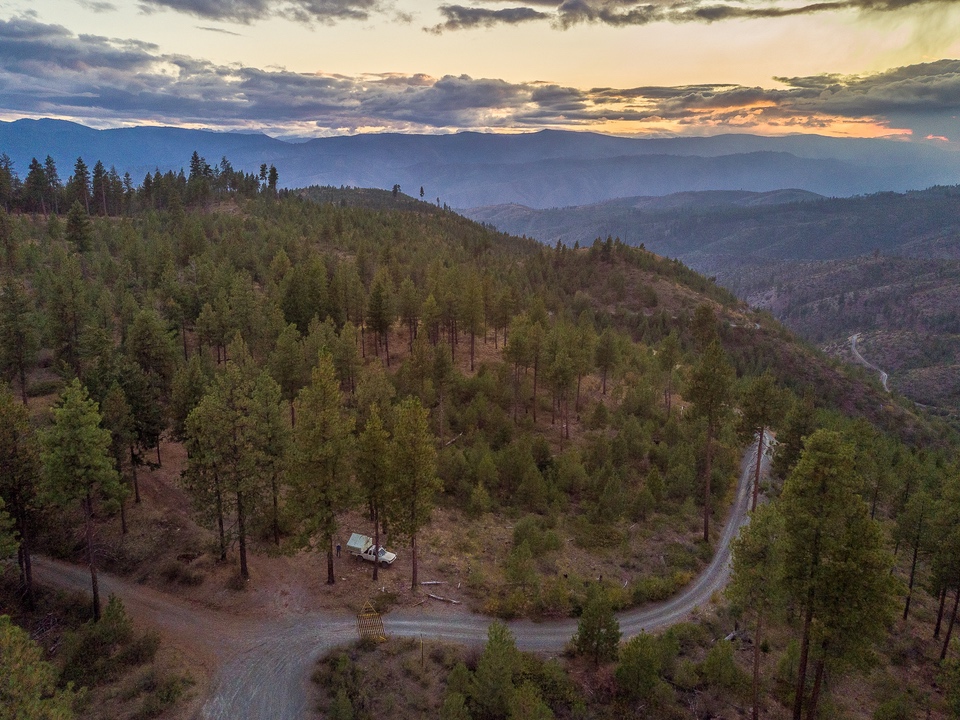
<point x="898" y="708"/>
<point x="720" y="670"/>
<point x="92" y="653"/>
<point x="175" y="572"/>
<point x="532" y="530"/>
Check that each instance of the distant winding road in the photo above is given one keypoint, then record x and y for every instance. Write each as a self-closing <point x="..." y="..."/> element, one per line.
<point x="863" y="361"/>
<point x="264" y="664"/>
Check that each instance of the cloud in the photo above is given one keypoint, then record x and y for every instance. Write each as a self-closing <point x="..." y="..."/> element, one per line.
<point x="217" y="30"/>
<point x="618" y="13"/>
<point x="249" y="11"/>
<point x="97" y="6"/>
<point x="458" y="17"/>
<point x="46" y="70"/>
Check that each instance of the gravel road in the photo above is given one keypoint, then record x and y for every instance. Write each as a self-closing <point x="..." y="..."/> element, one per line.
<point x="264" y="664"/>
<point x="863" y="361"/>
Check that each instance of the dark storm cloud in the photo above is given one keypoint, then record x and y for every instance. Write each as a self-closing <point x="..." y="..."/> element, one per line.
<point x="618" y="13"/>
<point x="47" y="70"/>
<point x="248" y="11"/>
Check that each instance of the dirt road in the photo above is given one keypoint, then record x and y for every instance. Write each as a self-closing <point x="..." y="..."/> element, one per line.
<point x="863" y="361"/>
<point x="263" y="664"/>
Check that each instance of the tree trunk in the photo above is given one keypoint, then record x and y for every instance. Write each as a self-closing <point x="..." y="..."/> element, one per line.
<point x="88" y="507"/>
<point x="276" y="509"/>
<point x="123" y="517"/>
<point x="804" y="655"/>
<point x="158" y="452"/>
<point x="756" y="667"/>
<point x="413" y="556"/>
<point x="473" y="342"/>
<point x="943" y="600"/>
<point x="536" y="362"/>
<point x="953" y="619"/>
<point x="441" y="416"/>
<point x="604" y="381"/>
<point x="331" y="578"/>
<point x="183" y="334"/>
<point x="913" y="568"/>
<point x="756" y="474"/>
<point x="26" y="568"/>
<point x="219" y="503"/>
<point x="23" y="384"/>
<point x="386" y="345"/>
<point x="706" y="493"/>
<point x="376" y="540"/>
<point x="133" y="472"/>
<point x="815" y="693"/>
<point x="576" y="406"/>
<point x="242" y="536"/>
<point x="293" y="416"/>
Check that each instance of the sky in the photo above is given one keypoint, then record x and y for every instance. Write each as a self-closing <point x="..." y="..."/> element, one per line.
<point x="649" y="68"/>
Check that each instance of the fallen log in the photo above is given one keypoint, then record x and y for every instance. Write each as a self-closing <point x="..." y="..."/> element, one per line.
<point x="443" y="599"/>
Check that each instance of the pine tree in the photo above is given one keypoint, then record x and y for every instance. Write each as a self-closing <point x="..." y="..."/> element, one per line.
<point x="19" y="479"/>
<point x="28" y="683"/>
<point x="18" y="338"/>
<point x="832" y="552"/>
<point x="709" y="390"/>
<point x="760" y="406"/>
<point x="607" y="355"/>
<point x="492" y="689"/>
<point x="373" y="473"/>
<point x="413" y="469"/>
<point x="321" y="461"/>
<point x="756" y="584"/>
<point x="598" y="632"/>
<point x="79" y="231"/>
<point x="77" y="464"/>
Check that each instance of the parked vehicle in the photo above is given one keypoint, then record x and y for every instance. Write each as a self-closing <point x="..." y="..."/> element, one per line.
<point x="362" y="546"/>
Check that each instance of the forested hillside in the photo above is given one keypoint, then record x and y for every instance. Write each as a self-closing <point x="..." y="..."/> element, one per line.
<point x="885" y="265"/>
<point x="548" y="431"/>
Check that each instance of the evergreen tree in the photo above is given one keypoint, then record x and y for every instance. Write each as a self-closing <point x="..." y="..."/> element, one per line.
<point x="598" y="632"/>
<point x="756" y="584"/>
<point x="78" y="188"/>
<point x="321" y="461"/>
<point x="79" y="231"/>
<point x="798" y="424"/>
<point x="607" y="355"/>
<point x="832" y="552"/>
<point x="19" y="478"/>
<point x="18" y="338"/>
<point x="28" y="683"/>
<point x="493" y="687"/>
<point x="709" y="390"/>
<point x="413" y="463"/>
<point x="760" y="406"/>
<point x="373" y="472"/>
<point x="54" y="184"/>
<point x="35" y="189"/>
<point x="77" y="464"/>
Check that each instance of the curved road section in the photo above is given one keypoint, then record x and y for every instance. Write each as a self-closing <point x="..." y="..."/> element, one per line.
<point x="265" y="663"/>
<point x="863" y="361"/>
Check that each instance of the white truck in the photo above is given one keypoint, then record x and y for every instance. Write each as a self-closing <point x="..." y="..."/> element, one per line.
<point x="362" y="546"/>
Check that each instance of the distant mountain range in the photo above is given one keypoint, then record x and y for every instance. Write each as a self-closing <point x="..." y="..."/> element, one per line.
<point x="540" y="170"/>
<point x="717" y="232"/>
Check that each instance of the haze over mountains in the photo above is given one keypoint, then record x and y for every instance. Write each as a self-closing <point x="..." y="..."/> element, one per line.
<point x="540" y="170"/>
